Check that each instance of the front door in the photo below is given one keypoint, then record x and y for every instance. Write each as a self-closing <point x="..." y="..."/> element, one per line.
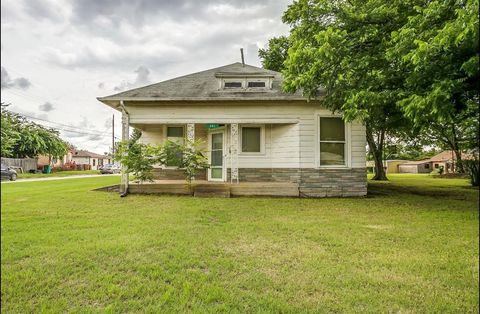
<point x="217" y="170"/>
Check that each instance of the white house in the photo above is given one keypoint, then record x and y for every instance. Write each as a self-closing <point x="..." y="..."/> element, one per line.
<point x="253" y="131"/>
<point x="93" y="160"/>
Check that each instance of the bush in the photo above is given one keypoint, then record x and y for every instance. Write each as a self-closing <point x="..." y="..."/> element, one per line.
<point x="138" y="158"/>
<point x="472" y="167"/>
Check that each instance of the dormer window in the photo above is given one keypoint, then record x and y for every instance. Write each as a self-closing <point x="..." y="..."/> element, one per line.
<point x="246" y="82"/>
<point x="256" y="84"/>
<point x="233" y="84"/>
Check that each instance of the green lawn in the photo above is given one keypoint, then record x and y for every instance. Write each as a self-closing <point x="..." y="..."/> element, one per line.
<point x="410" y="247"/>
<point x="56" y="174"/>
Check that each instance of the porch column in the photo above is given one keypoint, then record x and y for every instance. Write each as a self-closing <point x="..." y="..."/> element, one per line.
<point x="191" y="132"/>
<point x="125" y="136"/>
<point x="234" y="152"/>
<point x="191" y="135"/>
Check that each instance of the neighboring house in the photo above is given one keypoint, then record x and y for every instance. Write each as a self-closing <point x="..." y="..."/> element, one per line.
<point x="83" y="157"/>
<point x="390" y="166"/>
<point x="421" y="166"/>
<point x="447" y="160"/>
<point x="53" y="161"/>
<point x="252" y="131"/>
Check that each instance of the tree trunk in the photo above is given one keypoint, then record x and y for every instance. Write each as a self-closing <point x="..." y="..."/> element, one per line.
<point x="377" y="150"/>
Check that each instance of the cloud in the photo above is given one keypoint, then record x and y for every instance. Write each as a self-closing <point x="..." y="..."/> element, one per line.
<point x="141" y="79"/>
<point x="8" y="82"/>
<point x="47" y="107"/>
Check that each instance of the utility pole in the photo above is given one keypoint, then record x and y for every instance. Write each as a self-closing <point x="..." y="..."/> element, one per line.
<point x="113" y="135"/>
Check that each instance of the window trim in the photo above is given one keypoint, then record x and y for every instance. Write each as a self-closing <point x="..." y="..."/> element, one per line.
<point x="348" y="151"/>
<point x="165" y="138"/>
<point x="256" y="81"/>
<point x="232" y="80"/>
<point x="262" y="139"/>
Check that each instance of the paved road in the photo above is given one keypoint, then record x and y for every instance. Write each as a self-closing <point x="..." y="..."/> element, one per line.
<point x="62" y="178"/>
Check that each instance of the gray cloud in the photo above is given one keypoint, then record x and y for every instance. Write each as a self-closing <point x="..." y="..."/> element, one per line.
<point x="47" y="107"/>
<point x="141" y="79"/>
<point x="42" y="9"/>
<point x="74" y="50"/>
<point x="8" y="82"/>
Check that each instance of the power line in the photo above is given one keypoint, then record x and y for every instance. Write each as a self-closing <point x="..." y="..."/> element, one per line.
<point x="67" y="128"/>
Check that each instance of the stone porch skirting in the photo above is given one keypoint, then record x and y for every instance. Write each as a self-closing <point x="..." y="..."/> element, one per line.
<point x="311" y="182"/>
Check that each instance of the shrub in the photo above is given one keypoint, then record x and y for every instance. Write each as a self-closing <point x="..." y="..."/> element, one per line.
<point x="472" y="167"/>
<point x="137" y="158"/>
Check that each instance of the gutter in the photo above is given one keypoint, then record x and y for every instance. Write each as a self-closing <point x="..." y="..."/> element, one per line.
<point x="124" y="112"/>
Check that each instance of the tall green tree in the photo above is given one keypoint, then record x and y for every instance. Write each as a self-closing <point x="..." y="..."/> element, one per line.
<point x="338" y="49"/>
<point x="438" y="50"/>
<point x="25" y="139"/>
<point x="273" y="57"/>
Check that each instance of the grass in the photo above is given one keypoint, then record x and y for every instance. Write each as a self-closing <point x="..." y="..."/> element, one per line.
<point x="66" y="248"/>
<point x="56" y="174"/>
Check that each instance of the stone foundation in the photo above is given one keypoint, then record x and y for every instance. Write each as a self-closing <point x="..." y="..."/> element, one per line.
<point x="311" y="182"/>
<point x="176" y="174"/>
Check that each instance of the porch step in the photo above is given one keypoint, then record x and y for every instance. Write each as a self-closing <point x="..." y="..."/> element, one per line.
<point x="212" y="190"/>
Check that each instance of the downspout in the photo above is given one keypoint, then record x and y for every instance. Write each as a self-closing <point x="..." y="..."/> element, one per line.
<point x="125" y="125"/>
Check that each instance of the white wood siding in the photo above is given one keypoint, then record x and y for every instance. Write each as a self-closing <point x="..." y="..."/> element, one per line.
<point x="290" y="129"/>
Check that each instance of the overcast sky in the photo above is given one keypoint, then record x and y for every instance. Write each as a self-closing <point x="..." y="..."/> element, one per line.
<point x="58" y="56"/>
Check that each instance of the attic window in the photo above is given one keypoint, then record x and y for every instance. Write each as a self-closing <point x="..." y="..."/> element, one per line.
<point x="256" y="84"/>
<point x="233" y="84"/>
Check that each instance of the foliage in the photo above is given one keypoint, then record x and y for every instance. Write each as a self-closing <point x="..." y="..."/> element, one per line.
<point x="437" y="49"/>
<point x="9" y="132"/>
<point x="275" y="54"/>
<point x="137" y="158"/>
<point x="192" y="159"/>
<point x="188" y="157"/>
<point x="136" y="134"/>
<point x="22" y="138"/>
<point x="472" y="168"/>
<point x="338" y="49"/>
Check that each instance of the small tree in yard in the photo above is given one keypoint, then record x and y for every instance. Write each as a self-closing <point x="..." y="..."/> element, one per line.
<point x="138" y="158"/>
<point x="188" y="157"/>
<point x="192" y="160"/>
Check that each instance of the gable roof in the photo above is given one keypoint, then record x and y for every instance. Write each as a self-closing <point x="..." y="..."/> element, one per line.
<point x="204" y="86"/>
<point x="446" y="155"/>
<point x="86" y="153"/>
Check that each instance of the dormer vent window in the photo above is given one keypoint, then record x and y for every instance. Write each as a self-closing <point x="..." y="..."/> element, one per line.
<point x="233" y="84"/>
<point x="256" y="84"/>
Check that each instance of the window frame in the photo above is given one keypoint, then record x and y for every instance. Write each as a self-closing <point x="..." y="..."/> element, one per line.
<point x="233" y="80"/>
<point x="165" y="138"/>
<point x="262" y="139"/>
<point x="346" y="142"/>
<point x="256" y="81"/>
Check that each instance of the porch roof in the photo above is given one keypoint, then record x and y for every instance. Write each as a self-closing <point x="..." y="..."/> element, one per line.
<point x="146" y="120"/>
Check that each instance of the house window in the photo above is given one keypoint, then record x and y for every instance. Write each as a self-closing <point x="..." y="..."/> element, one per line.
<point x="252" y="139"/>
<point x="233" y="85"/>
<point x="332" y="141"/>
<point x="175" y="134"/>
<point x="436" y="166"/>
<point x="427" y="166"/>
<point x="93" y="162"/>
<point x="256" y="84"/>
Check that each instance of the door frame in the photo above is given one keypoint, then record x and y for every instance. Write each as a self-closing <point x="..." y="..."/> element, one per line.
<point x="224" y="168"/>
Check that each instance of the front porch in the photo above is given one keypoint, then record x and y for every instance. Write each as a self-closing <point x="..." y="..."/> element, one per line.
<point x="205" y="188"/>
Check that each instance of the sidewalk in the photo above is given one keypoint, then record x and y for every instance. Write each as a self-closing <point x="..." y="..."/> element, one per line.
<point x="62" y="178"/>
